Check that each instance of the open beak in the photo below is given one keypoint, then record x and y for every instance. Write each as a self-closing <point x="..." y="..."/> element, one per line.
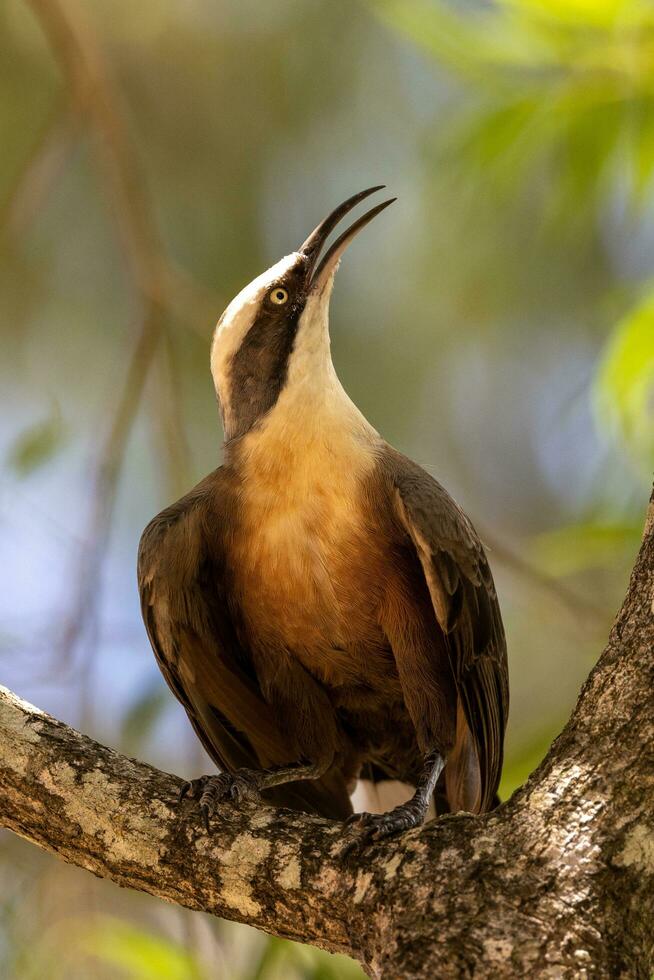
<point x="319" y="273"/>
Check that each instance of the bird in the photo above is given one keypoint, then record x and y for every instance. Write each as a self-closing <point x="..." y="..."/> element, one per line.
<point x="319" y="604"/>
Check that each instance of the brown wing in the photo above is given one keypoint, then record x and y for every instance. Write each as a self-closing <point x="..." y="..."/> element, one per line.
<point x="186" y="611"/>
<point x="466" y="607"/>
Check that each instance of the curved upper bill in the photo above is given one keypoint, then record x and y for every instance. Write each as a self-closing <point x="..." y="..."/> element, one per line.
<point x="318" y="274"/>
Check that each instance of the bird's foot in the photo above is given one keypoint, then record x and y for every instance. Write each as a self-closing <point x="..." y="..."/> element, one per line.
<point x="244" y="784"/>
<point x="378" y="826"/>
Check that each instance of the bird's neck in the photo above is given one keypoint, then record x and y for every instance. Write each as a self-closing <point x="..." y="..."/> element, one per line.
<point x="313" y="439"/>
<point x="313" y="415"/>
<point x="301" y="471"/>
<point x="313" y="418"/>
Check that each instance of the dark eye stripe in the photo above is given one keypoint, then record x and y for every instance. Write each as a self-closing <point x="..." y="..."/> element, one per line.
<point x="259" y="367"/>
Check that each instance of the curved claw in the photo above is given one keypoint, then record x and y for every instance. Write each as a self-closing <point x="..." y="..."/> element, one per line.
<point x="376" y="827"/>
<point x="358" y="819"/>
<point x="193" y="788"/>
<point x="384" y="828"/>
<point x="212" y="790"/>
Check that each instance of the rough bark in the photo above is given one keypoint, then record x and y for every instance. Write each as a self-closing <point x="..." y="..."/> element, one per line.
<point x="559" y="882"/>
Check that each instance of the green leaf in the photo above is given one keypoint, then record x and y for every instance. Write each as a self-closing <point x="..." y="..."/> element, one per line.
<point x="575" y="548"/>
<point x="555" y="83"/>
<point x="499" y="136"/>
<point x="141" y="955"/>
<point x="37" y="445"/>
<point x="641" y="149"/>
<point x="462" y="43"/>
<point x="587" y="13"/>
<point x="624" y="384"/>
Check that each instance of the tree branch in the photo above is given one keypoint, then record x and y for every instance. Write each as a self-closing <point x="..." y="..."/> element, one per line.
<point x="558" y="882"/>
<point x="161" y="287"/>
<point x="120" y="819"/>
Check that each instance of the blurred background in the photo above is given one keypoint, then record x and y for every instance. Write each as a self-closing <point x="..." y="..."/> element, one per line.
<point x="497" y="325"/>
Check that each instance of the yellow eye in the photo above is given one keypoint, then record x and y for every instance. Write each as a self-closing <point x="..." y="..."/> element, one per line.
<point x="279" y="296"/>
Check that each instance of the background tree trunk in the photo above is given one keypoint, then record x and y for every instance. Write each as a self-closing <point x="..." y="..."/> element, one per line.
<point x="559" y="882"/>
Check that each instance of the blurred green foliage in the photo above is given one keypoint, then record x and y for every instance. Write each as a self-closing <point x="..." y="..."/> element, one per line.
<point x="500" y="330"/>
<point x="140" y="955"/>
<point x="37" y="444"/>
<point x="624" y="387"/>
<point x="568" y="550"/>
<point x="562" y="94"/>
<point x="137" y="954"/>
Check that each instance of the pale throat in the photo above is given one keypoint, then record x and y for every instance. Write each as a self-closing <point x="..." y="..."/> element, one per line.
<point x="304" y="469"/>
<point x="314" y="421"/>
<point x="312" y="414"/>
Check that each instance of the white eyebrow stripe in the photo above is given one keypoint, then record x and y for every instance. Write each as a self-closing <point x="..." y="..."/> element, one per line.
<point x="235" y="323"/>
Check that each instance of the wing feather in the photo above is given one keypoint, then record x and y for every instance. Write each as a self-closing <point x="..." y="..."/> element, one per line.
<point x="465" y="602"/>
<point x="187" y="613"/>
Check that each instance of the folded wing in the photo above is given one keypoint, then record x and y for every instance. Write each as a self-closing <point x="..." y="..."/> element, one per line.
<point x="185" y="602"/>
<point x="465" y="604"/>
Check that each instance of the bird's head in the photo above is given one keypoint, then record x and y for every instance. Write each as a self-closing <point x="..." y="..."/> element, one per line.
<point x="275" y="332"/>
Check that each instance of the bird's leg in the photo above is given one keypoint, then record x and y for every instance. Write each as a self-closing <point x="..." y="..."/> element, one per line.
<point x="244" y="784"/>
<point x="376" y="826"/>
